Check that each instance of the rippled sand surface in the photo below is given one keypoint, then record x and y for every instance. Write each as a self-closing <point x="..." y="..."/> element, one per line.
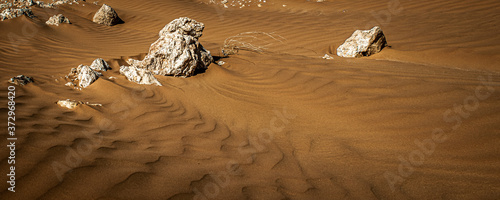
<point x="419" y="120"/>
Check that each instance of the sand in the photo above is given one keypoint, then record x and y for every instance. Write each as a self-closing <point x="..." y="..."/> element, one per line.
<point x="419" y="120"/>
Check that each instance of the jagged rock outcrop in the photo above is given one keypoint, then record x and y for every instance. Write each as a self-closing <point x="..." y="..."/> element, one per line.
<point x="28" y="2"/>
<point x="5" y="5"/>
<point x="107" y="16"/>
<point x="57" y="19"/>
<point x="100" y="65"/>
<point x="363" y="43"/>
<point x="10" y="13"/>
<point x="21" y="80"/>
<point x="177" y="52"/>
<point x="85" y="75"/>
<point x="139" y="75"/>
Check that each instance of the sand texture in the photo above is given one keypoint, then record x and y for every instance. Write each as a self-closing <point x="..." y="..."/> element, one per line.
<point x="273" y="120"/>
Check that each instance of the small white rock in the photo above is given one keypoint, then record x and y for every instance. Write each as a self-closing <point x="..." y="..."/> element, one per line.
<point x="70" y="104"/>
<point x="220" y="62"/>
<point x="328" y="57"/>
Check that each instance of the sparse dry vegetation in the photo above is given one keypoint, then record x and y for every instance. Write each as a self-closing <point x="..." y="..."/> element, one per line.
<point x="250" y="41"/>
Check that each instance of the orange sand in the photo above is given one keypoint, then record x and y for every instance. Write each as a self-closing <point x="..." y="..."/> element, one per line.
<point x="281" y="124"/>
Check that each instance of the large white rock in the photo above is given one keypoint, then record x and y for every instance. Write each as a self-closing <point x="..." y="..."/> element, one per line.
<point x="57" y="19"/>
<point x="139" y="75"/>
<point x="177" y="52"/>
<point x="363" y="43"/>
<point x="107" y="16"/>
<point x="86" y="75"/>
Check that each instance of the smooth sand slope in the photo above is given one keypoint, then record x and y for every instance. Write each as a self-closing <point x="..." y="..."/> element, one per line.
<point x="280" y="124"/>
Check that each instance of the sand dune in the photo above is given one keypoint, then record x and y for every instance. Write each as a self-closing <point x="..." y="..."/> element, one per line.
<point x="278" y="124"/>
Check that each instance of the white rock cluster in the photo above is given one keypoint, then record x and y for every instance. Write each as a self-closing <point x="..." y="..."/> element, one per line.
<point x="5" y="5"/>
<point x="363" y="43"/>
<point x="177" y="52"/>
<point x="86" y="75"/>
<point x="16" y="3"/>
<point x="21" y="80"/>
<point x="15" y="8"/>
<point x="57" y="19"/>
<point x="100" y="65"/>
<point x="10" y="13"/>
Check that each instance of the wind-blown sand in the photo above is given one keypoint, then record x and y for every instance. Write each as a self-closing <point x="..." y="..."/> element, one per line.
<point x="280" y="124"/>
